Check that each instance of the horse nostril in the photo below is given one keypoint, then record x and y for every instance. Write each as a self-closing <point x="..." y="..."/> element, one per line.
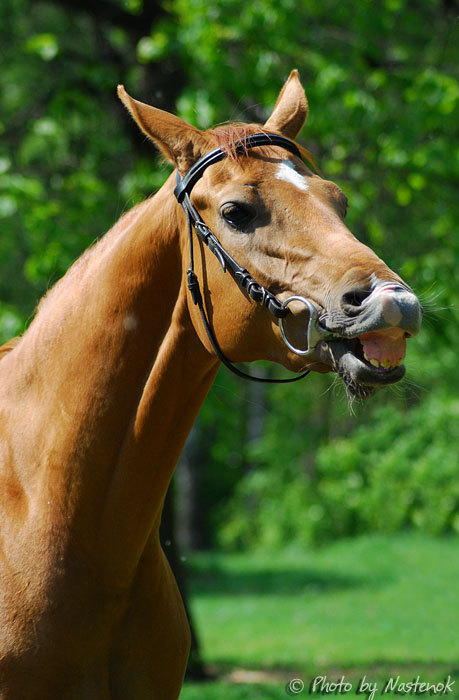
<point x="352" y="300"/>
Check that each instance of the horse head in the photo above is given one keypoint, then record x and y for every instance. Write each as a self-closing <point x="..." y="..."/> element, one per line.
<point x="285" y="225"/>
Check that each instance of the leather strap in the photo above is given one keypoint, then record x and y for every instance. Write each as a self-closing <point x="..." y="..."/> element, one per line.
<point x="188" y="181"/>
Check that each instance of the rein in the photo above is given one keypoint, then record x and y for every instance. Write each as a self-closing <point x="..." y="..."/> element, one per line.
<point x="245" y="280"/>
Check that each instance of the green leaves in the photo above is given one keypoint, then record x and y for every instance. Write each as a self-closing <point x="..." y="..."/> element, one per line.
<point x="10" y="322"/>
<point x="398" y="471"/>
<point x="44" y="45"/>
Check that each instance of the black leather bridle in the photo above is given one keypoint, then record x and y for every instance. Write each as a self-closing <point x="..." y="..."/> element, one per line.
<point x="245" y="280"/>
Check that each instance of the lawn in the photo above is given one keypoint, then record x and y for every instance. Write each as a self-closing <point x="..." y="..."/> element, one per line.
<point x="378" y="606"/>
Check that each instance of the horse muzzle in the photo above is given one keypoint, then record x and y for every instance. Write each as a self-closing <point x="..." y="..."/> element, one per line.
<point x="388" y="305"/>
<point x="364" y="342"/>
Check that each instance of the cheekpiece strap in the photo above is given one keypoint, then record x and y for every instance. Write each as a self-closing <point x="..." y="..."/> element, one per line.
<point x="182" y="192"/>
<point x="245" y="280"/>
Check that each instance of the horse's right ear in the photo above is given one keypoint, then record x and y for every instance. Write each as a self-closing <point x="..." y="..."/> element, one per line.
<point x="180" y="142"/>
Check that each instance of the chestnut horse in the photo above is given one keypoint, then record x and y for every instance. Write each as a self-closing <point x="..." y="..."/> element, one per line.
<point x="98" y="396"/>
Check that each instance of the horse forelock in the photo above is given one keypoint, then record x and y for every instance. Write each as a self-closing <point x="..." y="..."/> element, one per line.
<point x="229" y="136"/>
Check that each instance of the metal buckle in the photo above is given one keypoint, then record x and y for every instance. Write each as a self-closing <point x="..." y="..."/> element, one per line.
<point x="315" y="332"/>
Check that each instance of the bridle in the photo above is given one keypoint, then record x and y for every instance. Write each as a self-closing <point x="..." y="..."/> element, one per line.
<point x="256" y="291"/>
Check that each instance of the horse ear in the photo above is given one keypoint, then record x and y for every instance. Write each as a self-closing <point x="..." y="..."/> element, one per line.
<point x="180" y="142"/>
<point x="291" y="108"/>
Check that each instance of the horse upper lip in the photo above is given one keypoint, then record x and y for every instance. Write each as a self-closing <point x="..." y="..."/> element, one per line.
<point x="384" y="308"/>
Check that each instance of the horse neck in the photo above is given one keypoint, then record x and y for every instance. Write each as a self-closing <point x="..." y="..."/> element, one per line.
<point x="109" y="379"/>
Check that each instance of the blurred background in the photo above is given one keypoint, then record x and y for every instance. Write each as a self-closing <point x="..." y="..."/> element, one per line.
<point x="309" y="536"/>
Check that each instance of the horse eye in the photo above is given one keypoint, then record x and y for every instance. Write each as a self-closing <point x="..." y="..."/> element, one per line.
<point x="237" y="215"/>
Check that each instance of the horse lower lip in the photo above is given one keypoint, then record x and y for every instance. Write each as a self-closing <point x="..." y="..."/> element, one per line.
<point x="342" y="354"/>
<point x="362" y="373"/>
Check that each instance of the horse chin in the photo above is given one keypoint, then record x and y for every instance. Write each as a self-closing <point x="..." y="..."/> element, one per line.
<point x="360" y="377"/>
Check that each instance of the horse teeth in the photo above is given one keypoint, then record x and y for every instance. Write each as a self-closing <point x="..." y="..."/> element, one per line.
<point x="373" y="362"/>
<point x="386" y="364"/>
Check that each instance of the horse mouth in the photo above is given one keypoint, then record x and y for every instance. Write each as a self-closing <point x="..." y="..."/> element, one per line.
<point x="366" y="363"/>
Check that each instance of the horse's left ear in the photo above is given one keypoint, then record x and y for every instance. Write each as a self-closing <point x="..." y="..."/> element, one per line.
<point x="180" y="142"/>
<point x="291" y="108"/>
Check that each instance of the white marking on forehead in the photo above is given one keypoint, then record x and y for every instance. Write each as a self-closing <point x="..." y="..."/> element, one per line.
<point x="286" y="171"/>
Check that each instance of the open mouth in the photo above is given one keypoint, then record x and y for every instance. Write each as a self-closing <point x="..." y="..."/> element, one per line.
<point x="365" y="349"/>
<point x="368" y="361"/>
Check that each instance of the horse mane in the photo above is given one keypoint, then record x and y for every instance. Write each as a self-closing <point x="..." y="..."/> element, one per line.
<point x="228" y="135"/>
<point x="8" y="346"/>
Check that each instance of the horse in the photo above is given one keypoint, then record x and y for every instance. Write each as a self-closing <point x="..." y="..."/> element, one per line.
<point x="242" y="255"/>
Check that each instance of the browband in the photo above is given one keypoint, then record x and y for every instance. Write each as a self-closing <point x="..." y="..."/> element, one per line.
<point x="186" y="183"/>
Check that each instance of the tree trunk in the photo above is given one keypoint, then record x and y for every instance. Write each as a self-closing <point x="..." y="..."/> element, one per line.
<point x="192" y="528"/>
<point x="195" y="668"/>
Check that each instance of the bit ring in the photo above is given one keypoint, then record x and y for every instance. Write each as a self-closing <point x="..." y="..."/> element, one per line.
<point x="311" y="325"/>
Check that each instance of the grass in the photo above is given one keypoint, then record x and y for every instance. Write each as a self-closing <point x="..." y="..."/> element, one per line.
<point x="378" y="606"/>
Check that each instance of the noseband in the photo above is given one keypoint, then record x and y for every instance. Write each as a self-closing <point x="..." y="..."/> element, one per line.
<point x="256" y="291"/>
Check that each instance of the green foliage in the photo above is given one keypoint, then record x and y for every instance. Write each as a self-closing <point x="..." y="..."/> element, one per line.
<point x="397" y="471"/>
<point x="66" y="171"/>
<point x="401" y="472"/>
